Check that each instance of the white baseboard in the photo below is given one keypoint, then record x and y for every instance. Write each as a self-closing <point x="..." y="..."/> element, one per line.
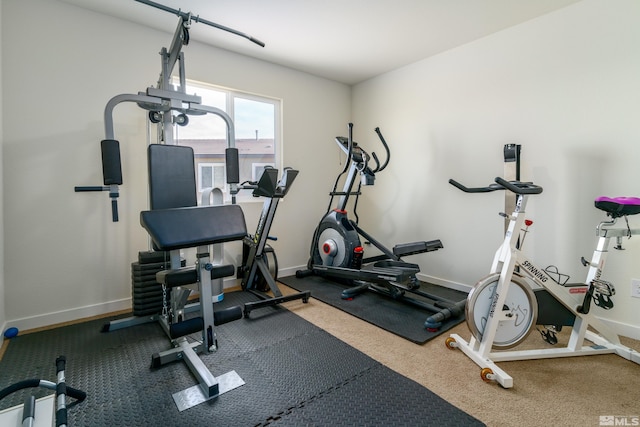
<point x="2" y="329"/>
<point x="74" y="314"/>
<point x="54" y="318"/>
<point x="291" y="271"/>
<point x="623" y="329"/>
<point x="444" y="283"/>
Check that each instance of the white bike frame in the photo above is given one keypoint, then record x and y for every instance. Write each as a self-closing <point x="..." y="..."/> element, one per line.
<point x="507" y="258"/>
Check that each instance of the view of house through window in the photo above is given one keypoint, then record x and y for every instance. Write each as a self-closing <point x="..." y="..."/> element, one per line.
<point x="256" y="122"/>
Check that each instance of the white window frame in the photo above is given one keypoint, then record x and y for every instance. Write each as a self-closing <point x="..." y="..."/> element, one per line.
<point x="213" y="166"/>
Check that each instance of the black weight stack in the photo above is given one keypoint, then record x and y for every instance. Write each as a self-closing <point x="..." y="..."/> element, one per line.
<point x="145" y="290"/>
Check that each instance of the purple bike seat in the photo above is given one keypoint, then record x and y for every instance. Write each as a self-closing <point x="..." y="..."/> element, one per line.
<point x="618" y="206"/>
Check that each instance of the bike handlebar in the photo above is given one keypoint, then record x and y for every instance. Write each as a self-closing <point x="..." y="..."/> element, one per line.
<point x="519" y="187"/>
<point x="493" y="187"/>
<point x="501" y="184"/>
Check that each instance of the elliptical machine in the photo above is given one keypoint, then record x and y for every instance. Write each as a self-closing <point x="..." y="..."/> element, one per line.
<point x="338" y="254"/>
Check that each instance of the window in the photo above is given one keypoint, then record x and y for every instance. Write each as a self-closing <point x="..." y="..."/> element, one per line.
<point x="211" y="175"/>
<point x="256" y="121"/>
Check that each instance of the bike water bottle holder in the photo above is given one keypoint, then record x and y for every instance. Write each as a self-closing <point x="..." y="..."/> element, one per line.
<point x="557" y="277"/>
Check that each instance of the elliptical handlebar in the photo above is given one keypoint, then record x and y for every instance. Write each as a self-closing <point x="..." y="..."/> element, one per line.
<point x="386" y="148"/>
<point x="349" y="147"/>
<point x="501" y="184"/>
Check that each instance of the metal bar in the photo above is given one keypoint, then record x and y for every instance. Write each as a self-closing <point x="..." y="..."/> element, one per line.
<point x="252" y="305"/>
<point x="113" y="102"/>
<point x="618" y="232"/>
<point x="176" y="47"/>
<point x="511" y="173"/>
<point x="171" y="95"/>
<point x="185" y="15"/>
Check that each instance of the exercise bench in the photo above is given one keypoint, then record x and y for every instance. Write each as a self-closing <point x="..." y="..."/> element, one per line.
<point x="195" y="227"/>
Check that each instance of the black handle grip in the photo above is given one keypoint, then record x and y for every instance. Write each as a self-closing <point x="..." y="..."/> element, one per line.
<point x="256" y="41"/>
<point x="386" y="149"/>
<point x="474" y="189"/>
<point x="114" y="210"/>
<point x="227" y="315"/>
<point x="231" y="155"/>
<point x="79" y="395"/>
<point x="375" y="158"/>
<point x="60" y="363"/>
<point x="519" y="187"/>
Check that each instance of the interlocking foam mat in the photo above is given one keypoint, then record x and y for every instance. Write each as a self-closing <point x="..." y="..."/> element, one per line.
<point x="295" y="374"/>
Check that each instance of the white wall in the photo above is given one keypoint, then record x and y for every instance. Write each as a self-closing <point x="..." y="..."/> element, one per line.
<point x="566" y="87"/>
<point x="2" y="299"/>
<point x="64" y="257"/>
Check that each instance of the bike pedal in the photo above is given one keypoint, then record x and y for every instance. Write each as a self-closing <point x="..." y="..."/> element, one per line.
<point x="603" y="301"/>
<point x="548" y="336"/>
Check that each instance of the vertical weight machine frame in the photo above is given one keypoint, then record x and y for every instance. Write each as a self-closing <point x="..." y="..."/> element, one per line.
<point x="161" y="101"/>
<point x="167" y="107"/>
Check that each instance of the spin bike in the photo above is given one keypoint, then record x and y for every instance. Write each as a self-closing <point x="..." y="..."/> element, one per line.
<point x="337" y="252"/>
<point x="259" y="270"/>
<point x="502" y="309"/>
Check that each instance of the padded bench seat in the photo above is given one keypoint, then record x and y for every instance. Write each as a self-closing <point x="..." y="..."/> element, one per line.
<point x="618" y="206"/>
<point x="191" y="227"/>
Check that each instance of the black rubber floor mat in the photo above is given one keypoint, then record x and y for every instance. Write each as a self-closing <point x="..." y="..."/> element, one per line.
<point x="296" y="374"/>
<point x="395" y="316"/>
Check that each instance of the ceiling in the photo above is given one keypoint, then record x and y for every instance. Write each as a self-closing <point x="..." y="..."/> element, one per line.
<point x="348" y="41"/>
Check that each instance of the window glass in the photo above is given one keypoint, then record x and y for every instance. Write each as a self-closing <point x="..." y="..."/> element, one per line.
<point x="256" y="125"/>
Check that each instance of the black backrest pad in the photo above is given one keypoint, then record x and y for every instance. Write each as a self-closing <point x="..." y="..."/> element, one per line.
<point x="172" y="176"/>
<point x="195" y="226"/>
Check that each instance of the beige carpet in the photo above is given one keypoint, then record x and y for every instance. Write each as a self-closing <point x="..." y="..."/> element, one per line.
<point x="574" y="391"/>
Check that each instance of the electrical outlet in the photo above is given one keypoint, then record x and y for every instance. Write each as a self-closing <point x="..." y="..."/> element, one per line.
<point x="635" y="288"/>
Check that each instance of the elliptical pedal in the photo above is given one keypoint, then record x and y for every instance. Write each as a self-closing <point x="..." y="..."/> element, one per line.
<point x="406" y="249"/>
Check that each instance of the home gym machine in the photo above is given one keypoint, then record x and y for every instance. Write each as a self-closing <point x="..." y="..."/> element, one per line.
<point x="167" y="106"/>
<point x="337" y="252"/>
<point x="517" y="296"/>
<point x="174" y="222"/>
<point x="259" y="262"/>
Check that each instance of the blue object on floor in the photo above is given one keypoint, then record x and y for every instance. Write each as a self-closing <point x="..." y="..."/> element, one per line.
<point x="11" y="332"/>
